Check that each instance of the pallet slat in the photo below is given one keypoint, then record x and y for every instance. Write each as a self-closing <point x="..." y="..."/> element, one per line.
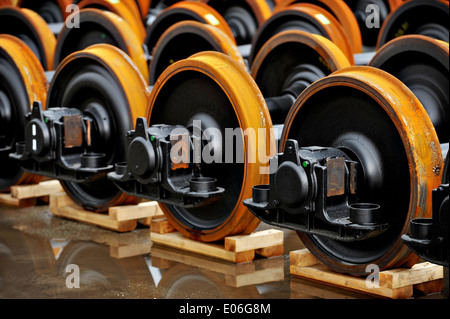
<point x="395" y="283"/>
<point x="237" y="249"/>
<point x="121" y="219"/>
<point x="27" y="195"/>
<point x="38" y="190"/>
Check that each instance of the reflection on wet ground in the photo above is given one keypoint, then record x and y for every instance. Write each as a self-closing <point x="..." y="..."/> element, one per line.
<point x="36" y="248"/>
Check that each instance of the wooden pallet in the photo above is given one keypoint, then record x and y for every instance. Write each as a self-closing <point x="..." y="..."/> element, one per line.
<point x="396" y="283"/>
<point x="119" y="218"/>
<point x="259" y="271"/>
<point x="27" y="195"/>
<point x="237" y="249"/>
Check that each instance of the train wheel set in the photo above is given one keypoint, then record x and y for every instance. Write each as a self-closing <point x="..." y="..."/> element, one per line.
<point x="229" y="113"/>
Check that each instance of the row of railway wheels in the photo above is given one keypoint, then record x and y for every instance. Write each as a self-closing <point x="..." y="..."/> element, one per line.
<point x="389" y="118"/>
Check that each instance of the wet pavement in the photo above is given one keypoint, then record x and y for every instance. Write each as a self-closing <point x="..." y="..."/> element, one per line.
<point x="36" y="248"/>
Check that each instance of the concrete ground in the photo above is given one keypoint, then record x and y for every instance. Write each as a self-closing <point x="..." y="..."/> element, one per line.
<point x="44" y="256"/>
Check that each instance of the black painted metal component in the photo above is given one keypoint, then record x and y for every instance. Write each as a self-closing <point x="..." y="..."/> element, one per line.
<point x="58" y="144"/>
<point x="428" y="18"/>
<point x="314" y="190"/>
<point x="160" y="168"/>
<point x="429" y="236"/>
<point x="300" y="77"/>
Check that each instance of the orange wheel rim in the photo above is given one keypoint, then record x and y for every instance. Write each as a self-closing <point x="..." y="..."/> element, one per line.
<point x="260" y="9"/>
<point x="33" y="78"/>
<point x="332" y="56"/>
<point x="127" y="40"/>
<point x="189" y="10"/>
<point x="207" y="14"/>
<point x="343" y="14"/>
<point x="251" y="112"/>
<point x="417" y="135"/>
<point x="317" y="15"/>
<point x="143" y="6"/>
<point x="127" y="9"/>
<point x="4" y="3"/>
<point x="43" y="37"/>
<point x="133" y="88"/>
<point x="216" y="39"/>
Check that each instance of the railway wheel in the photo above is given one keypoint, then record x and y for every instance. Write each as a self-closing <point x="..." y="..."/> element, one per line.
<point x="185" y="10"/>
<point x="28" y="26"/>
<point x="98" y="26"/>
<point x="52" y="11"/>
<point x="422" y="64"/>
<point x="22" y="80"/>
<point x="143" y="6"/>
<point x="186" y="38"/>
<point x="105" y="85"/>
<point x="303" y="17"/>
<point x="428" y="18"/>
<point x="341" y="11"/>
<point x="288" y="63"/>
<point x="127" y="9"/>
<point x="379" y="123"/>
<point x="243" y="17"/>
<point x="214" y="89"/>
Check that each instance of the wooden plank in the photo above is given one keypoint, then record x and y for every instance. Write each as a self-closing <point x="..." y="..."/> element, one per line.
<point x="161" y="226"/>
<point x="302" y="257"/>
<point x="7" y="199"/>
<point x="395" y="283"/>
<point x="60" y="200"/>
<point x="271" y="251"/>
<point x="120" y="218"/>
<point x="324" y="274"/>
<point x="420" y="273"/>
<point x="141" y="210"/>
<point x="126" y="251"/>
<point x="102" y="220"/>
<point x="261" y="239"/>
<point x="177" y="240"/>
<point x="37" y="190"/>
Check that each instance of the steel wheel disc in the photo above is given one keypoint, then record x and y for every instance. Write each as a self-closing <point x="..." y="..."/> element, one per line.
<point x="127" y="9"/>
<point x="101" y="79"/>
<point x="185" y="10"/>
<point x="32" y="29"/>
<point x="428" y="18"/>
<point x="186" y="38"/>
<point x="377" y="121"/>
<point x="22" y="81"/>
<point x="422" y="64"/>
<point x="302" y="17"/>
<point x="97" y="26"/>
<point x="215" y="89"/>
<point x="280" y="55"/>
